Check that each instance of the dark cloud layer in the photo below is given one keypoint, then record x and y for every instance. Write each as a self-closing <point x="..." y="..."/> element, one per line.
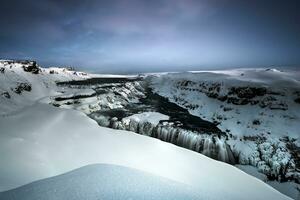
<point x="151" y="35"/>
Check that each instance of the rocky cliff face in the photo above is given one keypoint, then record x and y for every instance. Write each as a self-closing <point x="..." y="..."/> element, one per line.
<point x="256" y="108"/>
<point x="243" y="95"/>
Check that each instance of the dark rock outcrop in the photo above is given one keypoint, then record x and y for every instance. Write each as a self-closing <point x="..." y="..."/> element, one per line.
<point x="31" y="66"/>
<point x="256" y="122"/>
<point x="6" y="95"/>
<point x="235" y="95"/>
<point x="272" y="103"/>
<point x="22" y="87"/>
<point x="237" y="101"/>
<point x="248" y="92"/>
<point x="79" y="96"/>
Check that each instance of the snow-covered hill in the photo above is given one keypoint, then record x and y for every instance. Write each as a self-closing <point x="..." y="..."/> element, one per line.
<point x="24" y="82"/>
<point x="38" y="140"/>
<point x="247" y="102"/>
<point x="102" y="181"/>
<point x="259" y="110"/>
<point x="43" y="141"/>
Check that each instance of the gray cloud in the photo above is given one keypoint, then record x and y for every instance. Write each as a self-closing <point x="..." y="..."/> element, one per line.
<point x="143" y="35"/>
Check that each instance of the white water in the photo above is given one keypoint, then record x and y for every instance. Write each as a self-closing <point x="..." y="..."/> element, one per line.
<point x="209" y="145"/>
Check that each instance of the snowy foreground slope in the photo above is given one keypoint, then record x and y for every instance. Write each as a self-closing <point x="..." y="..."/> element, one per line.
<point x="42" y="141"/>
<point x="102" y="181"/>
<point x="38" y="141"/>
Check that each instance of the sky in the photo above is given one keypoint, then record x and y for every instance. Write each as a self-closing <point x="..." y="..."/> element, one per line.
<point x="127" y="36"/>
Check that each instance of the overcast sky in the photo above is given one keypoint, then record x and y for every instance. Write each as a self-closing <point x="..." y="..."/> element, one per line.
<point x="151" y="35"/>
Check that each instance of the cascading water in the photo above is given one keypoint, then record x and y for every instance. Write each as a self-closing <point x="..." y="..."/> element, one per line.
<point x="211" y="145"/>
<point x="118" y="99"/>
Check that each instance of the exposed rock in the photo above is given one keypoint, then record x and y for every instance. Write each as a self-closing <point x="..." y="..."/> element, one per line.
<point x="222" y="98"/>
<point x="258" y="138"/>
<point x="254" y="102"/>
<point x="248" y="92"/>
<point x="235" y="95"/>
<point x="275" y="93"/>
<point x="272" y="103"/>
<point x="279" y="106"/>
<point x="256" y="122"/>
<point x="225" y="109"/>
<point x="6" y="95"/>
<point x="297" y="100"/>
<point x="2" y="70"/>
<point x="31" y="66"/>
<point x="75" y="97"/>
<point x="295" y="153"/>
<point x="22" y="87"/>
<point x="266" y="101"/>
<point x="70" y="68"/>
<point x="237" y="101"/>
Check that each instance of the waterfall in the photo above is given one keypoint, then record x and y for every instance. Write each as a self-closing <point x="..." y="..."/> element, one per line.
<point x="211" y="145"/>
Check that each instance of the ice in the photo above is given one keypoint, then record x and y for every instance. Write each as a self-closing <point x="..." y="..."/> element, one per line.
<point x="150" y="124"/>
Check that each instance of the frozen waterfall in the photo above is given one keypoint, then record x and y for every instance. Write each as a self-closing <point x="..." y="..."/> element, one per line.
<point x="211" y="145"/>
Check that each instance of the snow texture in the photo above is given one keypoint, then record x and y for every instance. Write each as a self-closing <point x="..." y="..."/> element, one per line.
<point x="102" y="181"/>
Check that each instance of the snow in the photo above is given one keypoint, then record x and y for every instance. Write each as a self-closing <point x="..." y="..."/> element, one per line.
<point x="252" y="171"/>
<point x="152" y="117"/>
<point x="100" y="181"/>
<point x="48" y="141"/>
<point x="289" y="188"/>
<point x="39" y="141"/>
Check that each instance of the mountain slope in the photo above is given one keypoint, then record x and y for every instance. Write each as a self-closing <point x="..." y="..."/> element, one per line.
<point x="38" y="141"/>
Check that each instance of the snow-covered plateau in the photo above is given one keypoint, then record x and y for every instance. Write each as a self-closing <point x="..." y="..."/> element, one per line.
<point x="57" y="120"/>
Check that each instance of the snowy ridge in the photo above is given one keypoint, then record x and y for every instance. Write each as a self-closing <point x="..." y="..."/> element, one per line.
<point x="151" y="117"/>
<point x="40" y="82"/>
<point x="64" y="140"/>
<point x="102" y="181"/>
